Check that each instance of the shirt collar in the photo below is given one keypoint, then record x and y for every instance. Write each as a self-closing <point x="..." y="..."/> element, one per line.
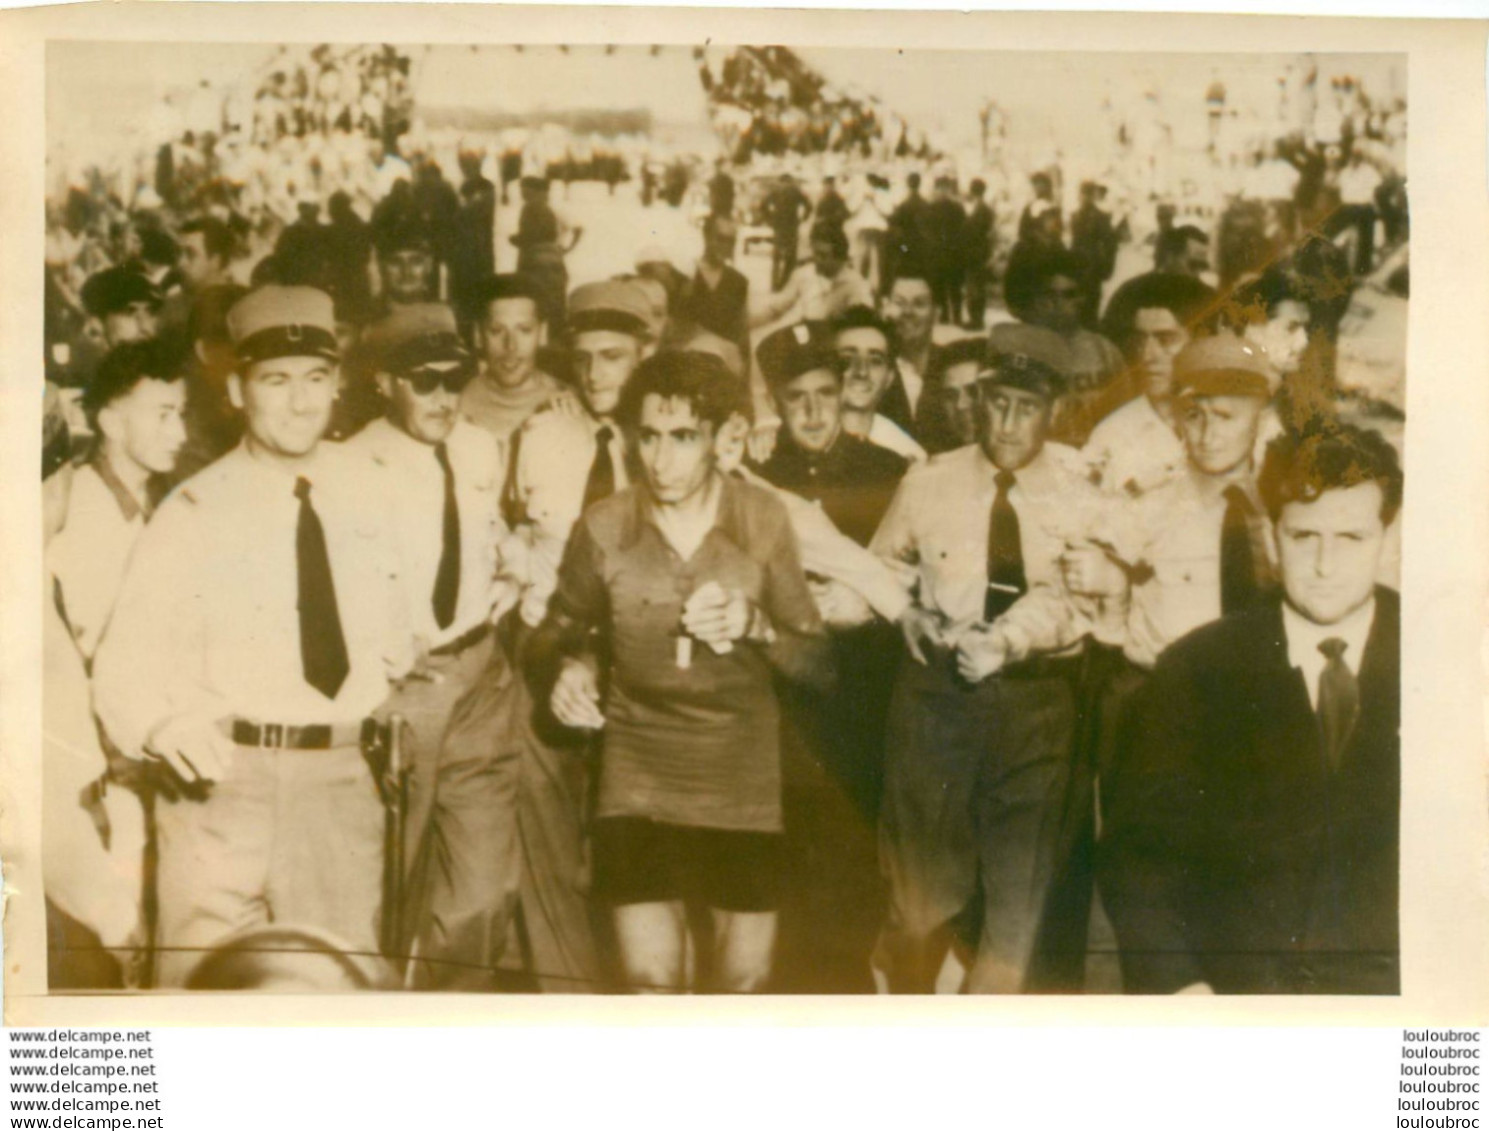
<point x="1304" y="636"/>
<point x="728" y="518"/>
<point x="130" y="506"/>
<point x="1037" y="477"/>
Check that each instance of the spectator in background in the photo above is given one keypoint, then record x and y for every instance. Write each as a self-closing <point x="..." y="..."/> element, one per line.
<point x="407" y="268"/>
<point x="977" y="249"/>
<point x="1136" y="447"/>
<point x="865" y="346"/>
<point x="473" y="256"/>
<point x="912" y="306"/>
<point x="909" y="235"/>
<point x="1182" y="250"/>
<point x="206" y="251"/>
<point x="721" y="191"/>
<point x="542" y="240"/>
<point x="786" y="209"/>
<point x="717" y="297"/>
<point x="1093" y="241"/>
<point x="946" y="252"/>
<point x="831" y="208"/>
<point x="1047" y="291"/>
<point x="821" y="290"/>
<point x="1036" y="211"/>
<point x="125" y="303"/>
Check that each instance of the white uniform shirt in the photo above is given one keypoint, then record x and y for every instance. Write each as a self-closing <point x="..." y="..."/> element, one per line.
<point x="1171" y="538"/>
<point x="412" y="485"/>
<point x="939" y="523"/>
<point x="1134" y="450"/>
<point x="207" y="621"/>
<point x="887" y="434"/>
<point x="89" y="556"/>
<point x="554" y="456"/>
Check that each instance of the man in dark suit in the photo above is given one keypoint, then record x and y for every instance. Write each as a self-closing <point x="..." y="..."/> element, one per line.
<point x="1252" y="841"/>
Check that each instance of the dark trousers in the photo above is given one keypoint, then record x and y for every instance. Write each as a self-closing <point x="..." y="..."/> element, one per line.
<point x="977" y="294"/>
<point x="783" y="258"/>
<point x="946" y="288"/>
<point x="975" y="777"/>
<point x="461" y="826"/>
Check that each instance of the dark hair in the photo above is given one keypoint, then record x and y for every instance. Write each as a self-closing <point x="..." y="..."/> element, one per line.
<point x="500" y="287"/>
<point x="865" y="318"/>
<point x="157" y="247"/>
<point x="824" y="231"/>
<point x="1026" y="280"/>
<point x="124" y="367"/>
<point x="977" y="187"/>
<point x="1191" y="302"/>
<point x="1175" y="242"/>
<point x="1301" y="467"/>
<point x="913" y="180"/>
<point x="959" y="352"/>
<point x="701" y="379"/>
<point x="1257" y="300"/>
<point x="217" y="237"/>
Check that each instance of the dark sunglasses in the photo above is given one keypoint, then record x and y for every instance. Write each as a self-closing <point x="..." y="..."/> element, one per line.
<point x="425" y="381"/>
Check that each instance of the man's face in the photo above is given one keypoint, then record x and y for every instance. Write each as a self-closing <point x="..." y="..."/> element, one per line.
<point x="196" y="266"/>
<point x="913" y="311"/>
<point x="407" y="273"/>
<point x="427" y="417"/>
<point x="603" y="362"/>
<point x="1219" y="432"/>
<point x="960" y="385"/>
<point x="1058" y="306"/>
<point x="1014" y="424"/>
<point x="1284" y="336"/>
<point x="1329" y="551"/>
<point x="137" y="322"/>
<point x="675" y="448"/>
<point x="287" y="402"/>
<point x="811" y="407"/>
<point x="510" y="336"/>
<point x="829" y="261"/>
<point x="145" y="425"/>
<point x="1157" y="336"/>
<point x="719" y="243"/>
<point x="863" y="354"/>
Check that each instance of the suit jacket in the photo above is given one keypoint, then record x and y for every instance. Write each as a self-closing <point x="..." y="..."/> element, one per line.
<point x="1232" y="853"/>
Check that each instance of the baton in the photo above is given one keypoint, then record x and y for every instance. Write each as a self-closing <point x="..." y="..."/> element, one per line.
<point x="396" y="797"/>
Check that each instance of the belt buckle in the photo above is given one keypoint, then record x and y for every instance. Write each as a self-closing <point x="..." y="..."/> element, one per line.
<point x="272" y="735"/>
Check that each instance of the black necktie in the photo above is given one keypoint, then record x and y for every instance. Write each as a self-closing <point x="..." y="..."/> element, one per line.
<point x="322" y="646"/>
<point x="1338" y="701"/>
<point x="1005" y="553"/>
<point x="601" y="482"/>
<point x="447" y="577"/>
<point x="1238" y="587"/>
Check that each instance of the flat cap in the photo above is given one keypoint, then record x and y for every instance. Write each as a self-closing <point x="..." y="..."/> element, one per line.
<point x="615" y="304"/>
<point x="1027" y="357"/>
<point x="279" y="321"/>
<point x="790" y="352"/>
<point x="115" y="288"/>
<point x="1223" y="365"/>
<point x="416" y="337"/>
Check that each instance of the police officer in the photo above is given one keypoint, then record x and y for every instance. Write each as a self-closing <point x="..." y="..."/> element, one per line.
<point x="258" y="629"/>
<point x="982" y="718"/>
<point x="440" y="478"/>
<point x="566" y="459"/>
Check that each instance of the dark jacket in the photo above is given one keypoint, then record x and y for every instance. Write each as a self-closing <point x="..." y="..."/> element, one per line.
<point x="1232" y="854"/>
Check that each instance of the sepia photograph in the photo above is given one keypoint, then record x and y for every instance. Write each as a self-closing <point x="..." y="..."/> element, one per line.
<point x="706" y="518"/>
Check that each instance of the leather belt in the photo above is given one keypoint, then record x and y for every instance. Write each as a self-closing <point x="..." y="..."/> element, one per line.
<point x="316" y="736"/>
<point x="465" y="640"/>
